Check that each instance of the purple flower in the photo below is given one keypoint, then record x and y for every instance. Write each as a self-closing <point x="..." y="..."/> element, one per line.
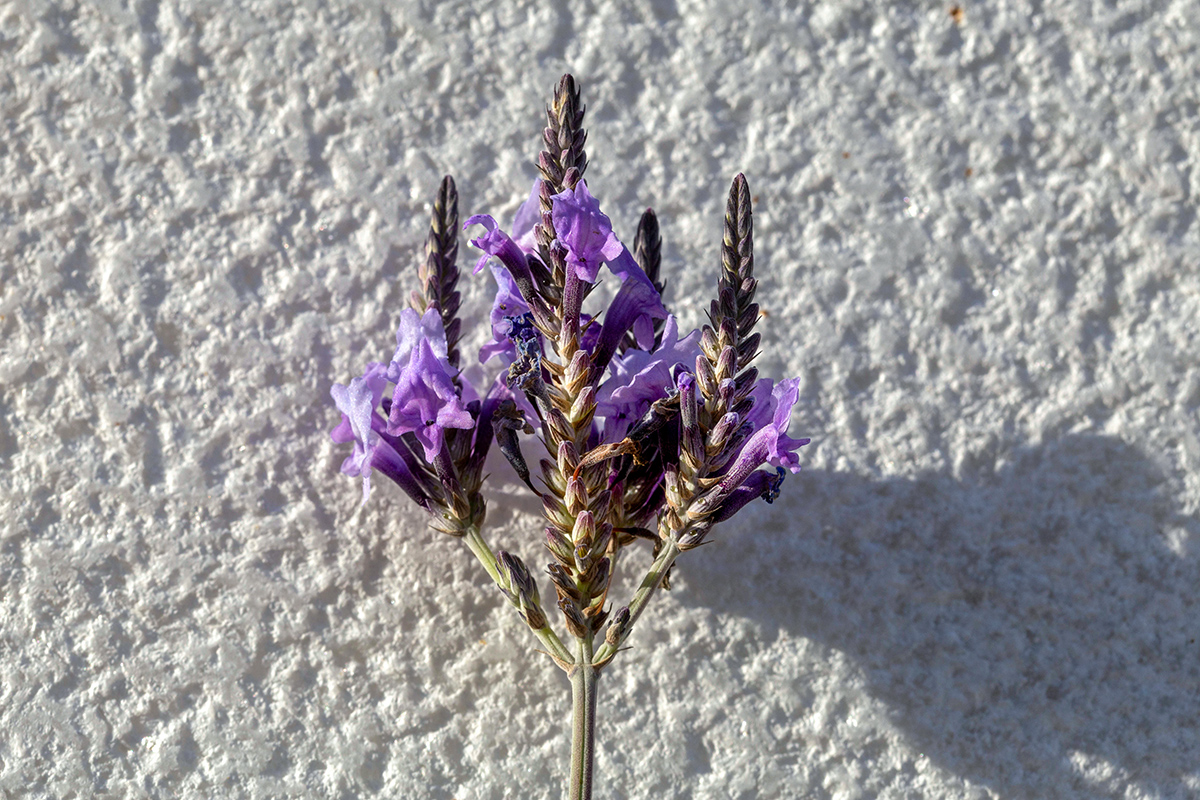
<point x="496" y="242"/>
<point x="361" y="425"/>
<point x="587" y="235"/>
<point x="769" y="443"/>
<point x="507" y="304"/>
<point x="414" y="329"/>
<point x="635" y="301"/>
<point x="585" y="232"/>
<point x="638" y="378"/>
<point x="527" y="216"/>
<point x="760" y="484"/>
<point x="425" y="402"/>
<point x="626" y="268"/>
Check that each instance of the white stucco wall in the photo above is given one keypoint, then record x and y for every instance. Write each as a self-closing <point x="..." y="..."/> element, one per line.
<point x="977" y="242"/>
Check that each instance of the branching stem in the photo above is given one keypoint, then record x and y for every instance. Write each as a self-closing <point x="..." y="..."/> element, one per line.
<point x="645" y="591"/>
<point x="546" y="634"/>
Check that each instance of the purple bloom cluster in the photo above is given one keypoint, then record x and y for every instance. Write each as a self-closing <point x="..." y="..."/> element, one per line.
<point x="643" y="373"/>
<point x="374" y="449"/>
<point x="429" y="397"/>
<point x="425" y="403"/>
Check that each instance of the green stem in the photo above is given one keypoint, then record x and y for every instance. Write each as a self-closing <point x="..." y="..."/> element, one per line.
<point x="583" y="722"/>
<point x="546" y="634"/>
<point x="646" y="590"/>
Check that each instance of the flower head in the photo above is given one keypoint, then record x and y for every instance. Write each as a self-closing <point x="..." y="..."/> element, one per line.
<point x="495" y="242"/>
<point x="769" y="443"/>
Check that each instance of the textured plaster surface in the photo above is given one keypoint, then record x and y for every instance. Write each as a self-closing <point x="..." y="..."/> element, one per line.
<point x="978" y="248"/>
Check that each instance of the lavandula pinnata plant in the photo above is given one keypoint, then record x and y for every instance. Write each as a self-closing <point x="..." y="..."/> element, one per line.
<point x="648" y="434"/>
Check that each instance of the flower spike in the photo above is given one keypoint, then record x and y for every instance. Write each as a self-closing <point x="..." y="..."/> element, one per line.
<point x="564" y="138"/>
<point x="439" y="272"/>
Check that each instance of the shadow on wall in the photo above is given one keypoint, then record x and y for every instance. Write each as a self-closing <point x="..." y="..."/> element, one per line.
<point x="1019" y="629"/>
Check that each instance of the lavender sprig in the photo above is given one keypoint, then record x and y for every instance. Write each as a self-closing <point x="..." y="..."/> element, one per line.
<point x="649" y="434"/>
<point x="716" y="466"/>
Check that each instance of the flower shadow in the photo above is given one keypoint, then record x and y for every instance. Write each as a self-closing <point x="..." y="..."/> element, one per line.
<point x="1035" y="632"/>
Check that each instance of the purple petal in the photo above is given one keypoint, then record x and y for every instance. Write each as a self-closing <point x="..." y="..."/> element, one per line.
<point x="626" y="268"/>
<point x="496" y="242"/>
<point x="508" y="303"/>
<point x="425" y="402"/>
<point x="770" y="442"/>
<point x="638" y="378"/>
<point x="412" y="330"/>
<point x="528" y="215"/>
<point x="362" y="425"/>
<point x="633" y="301"/>
<point x="358" y="402"/>
<point x="585" y="232"/>
<point x="760" y="484"/>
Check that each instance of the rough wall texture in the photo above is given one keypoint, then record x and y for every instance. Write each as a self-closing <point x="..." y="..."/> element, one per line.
<point x="978" y="246"/>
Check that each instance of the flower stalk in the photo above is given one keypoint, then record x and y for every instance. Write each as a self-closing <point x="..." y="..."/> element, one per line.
<point x="583" y="721"/>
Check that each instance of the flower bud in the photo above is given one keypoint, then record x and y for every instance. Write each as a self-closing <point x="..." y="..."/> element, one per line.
<point x="576" y="496"/>
<point x="559" y="426"/>
<point x="725" y="392"/>
<point x="707" y="504"/>
<point x="616" y="628"/>
<point x="727" y="364"/>
<point x="602" y="539"/>
<point x="518" y="575"/>
<point x="583" y="558"/>
<point x="593" y="585"/>
<point x="745" y="382"/>
<point x="599" y="577"/>
<point x="584" y="407"/>
<point x="553" y="476"/>
<point x="585" y="529"/>
<point x="693" y="538"/>
<point x="691" y="440"/>
<point x="674" y="490"/>
<point x="533" y="614"/>
<point x="556" y="512"/>
<point x="727" y="301"/>
<point x="706" y="378"/>
<point x="563" y="582"/>
<point x="578" y="369"/>
<point x="562" y="548"/>
<point x="568" y="457"/>
<point x="724" y="429"/>
<point x="709" y="345"/>
<point x="727" y="333"/>
<point x="577" y="624"/>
